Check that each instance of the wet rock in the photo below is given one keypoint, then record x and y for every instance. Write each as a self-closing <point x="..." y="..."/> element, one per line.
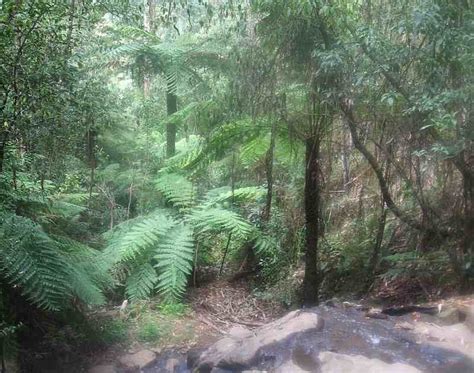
<point x="336" y="363"/>
<point x="240" y="348"/>
<point x="137" y="361"/>
<point x="405" y="325"/>
<point x="456" y="337"/>
<point x="171" y="364"/>
<point x="467" y="313"/>
<point x="102" y="369"/>
<point x="450" y="316"/>
<point x="193" y="356"/>
<point x="289" y="366"/>
<point x="375" y="313"/>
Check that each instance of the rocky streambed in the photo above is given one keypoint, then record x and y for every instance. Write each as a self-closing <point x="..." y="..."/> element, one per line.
<point x="330" y="339"/>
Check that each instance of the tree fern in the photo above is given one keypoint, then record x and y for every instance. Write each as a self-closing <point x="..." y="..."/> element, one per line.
<point x="242" y="195"/>
<point x="141" y="282"/>
<point x="30" y="260"/>
<point x="226" y="137"/>
<point x="132" y="239"/>
<point x="219" y="220"/>
<point x="174" y="257"/>
<point x="254" y="150"/>
<point x="177" y="189"/>
<point x="87" y="270"/>
<point x="156" y="239"/>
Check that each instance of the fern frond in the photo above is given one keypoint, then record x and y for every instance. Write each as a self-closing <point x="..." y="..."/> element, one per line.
<point x="84" y="287"/>
<point x="133" y="239"/>
<point x="177" y="189"/>
<point x="141" y="282"/>
<point x="219" y="220"/>
<point x="65" y="209"/>
<point x="254" y="150"/>
<point x="226" y="137"/>
<point x="242" y="195"/>
<point x="187" y="149"/>
<point x="31" y="260"/>
<point x="174" y="258"/>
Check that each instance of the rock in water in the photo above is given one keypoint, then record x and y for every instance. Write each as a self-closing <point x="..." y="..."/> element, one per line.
<point x="137" y="361"/>
<point x="240" y="349"/>
<point x="102" y="369"/>
<point x="337" y="363"/>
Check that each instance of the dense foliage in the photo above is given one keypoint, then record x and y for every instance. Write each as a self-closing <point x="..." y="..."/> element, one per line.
<point x="142" y="141"/>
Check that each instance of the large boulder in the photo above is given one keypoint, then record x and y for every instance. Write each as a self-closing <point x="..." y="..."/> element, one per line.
<point x="240" y="349"/>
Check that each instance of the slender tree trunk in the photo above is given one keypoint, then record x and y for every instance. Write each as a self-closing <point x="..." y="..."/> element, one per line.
<point x="312" y="191"/>
<point x="345" y="163"/>
<point x="149" y="11"/>
<point x="467" y="244"/>
<point x="374" y="259"/>
<point x="171" y="108"/>
<point x="358" y="144"/>
<point x="70" y="29"/>
<point x="3" y="143"/>
<point x="91" y="140"/>
<point x="269" y="173"/>
<point x="232" y="180"/>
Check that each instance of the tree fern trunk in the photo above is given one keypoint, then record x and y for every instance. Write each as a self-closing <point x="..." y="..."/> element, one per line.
<point x="312" y="193"/>
<point x="171" y="108"/>
<point x="269" y="173"/>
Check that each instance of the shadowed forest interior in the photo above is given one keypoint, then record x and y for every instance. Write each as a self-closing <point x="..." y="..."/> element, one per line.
<point x="168" y="161"/>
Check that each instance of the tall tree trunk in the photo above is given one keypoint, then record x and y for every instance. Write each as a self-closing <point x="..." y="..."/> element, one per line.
<point x="91" y="141"/>
<point x="171" y="108"/>
<point x="346" y="162"/>
<point x="312" y="191"/>
<point x="269" y="173"/>
<point x="467" y="244"/>
<point x="3" y="143"/>
<point x="149" y="25"/>
<point x="70" y="29"/>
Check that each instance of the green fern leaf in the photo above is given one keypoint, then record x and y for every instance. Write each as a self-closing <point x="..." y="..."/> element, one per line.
<point x="220" y="220"/>
<point x="137" y="237"/>
<point x="174" y="261"/>
<point x="141" y="282"/>
<point x="177" y="190"/>
<point x="31" y="260"/>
